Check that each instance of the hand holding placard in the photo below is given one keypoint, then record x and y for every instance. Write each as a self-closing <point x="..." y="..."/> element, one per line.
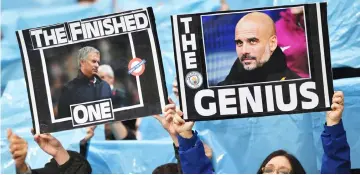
<point x="334" y="116"/>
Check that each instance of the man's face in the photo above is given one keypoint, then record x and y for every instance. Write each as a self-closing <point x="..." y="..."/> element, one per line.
<point x="252" y="45"/>
<point x="104" y="76"/>
<point x="89" y="67"/>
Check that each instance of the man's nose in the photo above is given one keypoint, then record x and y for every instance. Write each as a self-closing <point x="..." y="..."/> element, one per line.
<point x="244" y="49"/>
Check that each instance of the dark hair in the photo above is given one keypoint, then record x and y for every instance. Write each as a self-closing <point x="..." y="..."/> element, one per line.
<point x="294" y="162"/>
<point x="169" y="168"/>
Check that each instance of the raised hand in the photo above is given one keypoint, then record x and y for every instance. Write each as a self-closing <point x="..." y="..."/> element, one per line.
<point x="166" y="120"/>
<point x="18" y="148"/>
<point x="333" y="117"/>
<point x="53" y="147"/>
<point x="184" y="129"/>
<point x="89" y="133"/>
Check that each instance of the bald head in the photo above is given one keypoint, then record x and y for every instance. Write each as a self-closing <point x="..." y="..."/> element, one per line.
<point x="260" y="20"/>
<point x="255" y="38"/>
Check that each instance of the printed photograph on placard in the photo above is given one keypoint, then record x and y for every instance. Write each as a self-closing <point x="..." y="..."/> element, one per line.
<point x="106" y="61"/>
<point x="256" y="46"/>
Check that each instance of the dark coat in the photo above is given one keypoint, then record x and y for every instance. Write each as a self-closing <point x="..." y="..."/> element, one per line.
<point x="273" y="70"/>
<point x="80" y="90"/>
<point x="77" y="164"/>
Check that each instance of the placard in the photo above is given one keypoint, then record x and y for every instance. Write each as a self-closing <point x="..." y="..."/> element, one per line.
<point x="93" y="71"/>
<point x="256" y="62"/>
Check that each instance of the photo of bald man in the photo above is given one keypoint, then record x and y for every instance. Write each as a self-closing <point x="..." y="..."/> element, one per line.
<point x="259" y="58"/>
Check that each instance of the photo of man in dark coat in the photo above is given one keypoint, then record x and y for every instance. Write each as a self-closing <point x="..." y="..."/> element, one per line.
<point x="259" y="57"/>
<point x="87" y="86"/>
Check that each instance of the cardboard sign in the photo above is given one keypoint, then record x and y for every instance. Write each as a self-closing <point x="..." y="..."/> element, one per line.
<point x="93" y="71"/>
<point x="256" y="62"/>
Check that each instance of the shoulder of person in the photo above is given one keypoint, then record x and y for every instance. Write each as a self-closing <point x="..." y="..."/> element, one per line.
<point x="69" y="85"/>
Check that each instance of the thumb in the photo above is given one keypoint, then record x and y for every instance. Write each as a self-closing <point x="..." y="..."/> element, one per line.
<point x="37" y="139"/>
<point x="9" y="133"/>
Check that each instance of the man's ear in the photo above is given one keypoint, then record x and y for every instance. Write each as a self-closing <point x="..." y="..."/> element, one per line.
<point x="81" y="62"/>
<point x="273" y="43"/>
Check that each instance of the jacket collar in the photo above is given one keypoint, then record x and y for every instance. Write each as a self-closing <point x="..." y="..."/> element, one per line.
<point x="95" y="79"/>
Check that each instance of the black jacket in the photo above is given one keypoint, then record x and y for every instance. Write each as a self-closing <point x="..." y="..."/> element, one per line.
<point x="80" y="90"/>
<point x="273" y="70"/>
<point x="77" y="164"/>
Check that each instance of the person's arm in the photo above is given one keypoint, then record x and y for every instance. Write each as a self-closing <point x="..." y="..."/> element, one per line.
<point x="336" y="158"/>
<point x="192" y="154"/>
<point x="76" y="164"/>
<point x="63" y="161"/>
<point x="191" y="150"/>
<point x="84" y="143"/>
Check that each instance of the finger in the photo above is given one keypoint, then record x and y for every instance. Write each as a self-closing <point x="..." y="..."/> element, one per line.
<point x="17" y="142"/>
<point x="338" y="94"/>
<point x="169" y="112"/>
<point x="37" y="138"/>
<point x="176" y="122"/>
<point x="168" y="107"/>
<point x="178" y="119"/>
<point x="16" y="139"/>
<point x="171" y="101"/>
<point x="169" y="118"/>
<point x="19" y="153"/>
<point x="9" y="133"/>
<point x="179" y="112"/>
<point x="336" y="107"/>
<point x="92" y="128"/>
<point x="338" y="100"/>
<point x="46" y="136"/>
<point x="14" y="147"/>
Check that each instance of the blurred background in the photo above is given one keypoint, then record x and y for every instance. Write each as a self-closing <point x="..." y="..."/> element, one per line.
<point x="239" y="145"/>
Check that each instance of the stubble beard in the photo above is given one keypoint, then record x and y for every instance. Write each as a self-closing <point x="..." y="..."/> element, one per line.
<point x="259" y="63"/>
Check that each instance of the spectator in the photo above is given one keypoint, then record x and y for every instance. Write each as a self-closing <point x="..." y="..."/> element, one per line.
<point x="63" y="161"/>
<point x="167" y="123"/>
<point x="336" y="157"/>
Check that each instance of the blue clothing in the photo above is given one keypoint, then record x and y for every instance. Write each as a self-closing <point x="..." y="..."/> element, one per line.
<point x="192" y="156"/>
<point x="336" y="159"/>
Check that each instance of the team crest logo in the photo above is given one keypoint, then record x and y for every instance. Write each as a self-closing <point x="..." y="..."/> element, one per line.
<point x="194" y="79"/>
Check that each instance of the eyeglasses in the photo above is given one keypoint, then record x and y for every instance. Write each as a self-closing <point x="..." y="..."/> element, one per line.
<point x="273" y="170"/>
